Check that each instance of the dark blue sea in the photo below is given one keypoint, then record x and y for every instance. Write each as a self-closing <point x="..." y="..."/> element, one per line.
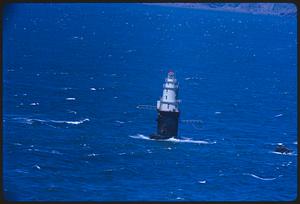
<point x="75" y="77"/>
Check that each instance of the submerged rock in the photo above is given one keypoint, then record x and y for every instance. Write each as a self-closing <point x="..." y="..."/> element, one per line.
<point x="282" y="149"/>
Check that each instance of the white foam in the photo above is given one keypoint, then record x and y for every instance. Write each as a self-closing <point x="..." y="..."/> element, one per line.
<point x="70" y="99"/>
<point x="121" y="122"/>
<point x="93" y="89"/>
<point x="71" y="111"/>
<point x="67" y="88"/>
<point x="290" y="153"/>
<point x="188" y="141"/>
<point x="32" y="120"/>
<point x="34" y="104"/>
<point x="257" y="177"/>
<point x="37" y="166"/>
<point x="217" y="112"/>
<point x="202" y="181"/>
<point x="140" y="136"/>
<point x="92" y="155"/>
<point x="279" y="115"/>
<point x="71" y="122"/>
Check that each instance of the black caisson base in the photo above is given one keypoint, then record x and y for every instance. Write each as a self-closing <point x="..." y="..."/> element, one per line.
<point x="167" y="125"/>
<point x="159" y="137"/>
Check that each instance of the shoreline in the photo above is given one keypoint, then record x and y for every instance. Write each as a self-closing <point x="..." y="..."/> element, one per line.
<point x="285" y="9"/>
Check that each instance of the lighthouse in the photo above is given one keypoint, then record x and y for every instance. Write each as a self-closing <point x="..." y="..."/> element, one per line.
<point x="168" y="110"/>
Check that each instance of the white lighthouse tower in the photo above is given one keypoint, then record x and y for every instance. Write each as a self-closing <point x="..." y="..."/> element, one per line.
<point x="168" y="110"/>
<point x="168" y="102"/>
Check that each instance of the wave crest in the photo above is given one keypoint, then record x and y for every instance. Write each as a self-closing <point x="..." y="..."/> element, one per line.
<point x="260" y="178"/>
<point x="176" y="140"/>
<point x="32" y="121"/>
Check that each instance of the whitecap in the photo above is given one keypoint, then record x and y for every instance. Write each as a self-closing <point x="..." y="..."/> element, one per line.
<point x="257" y="177"/>
<point x="37" y="166"/>
<point x="32" y="120"/>
<point x="71" y="122"/>
<point x="122" y="153"/>
<point x="34" y="104"/>
<point x="68" y="122"/>
<point x="286" y="163"/>
<point x="140" y="136"/>
<point x="93" y="89"/>
<point x="71" y="111"/>
<point x="189" y="141"/>
<point x="70" y="99"/>
<point x="67" y="88"/>
<point x="290" y="153"/>
<point x="92" y="155"/>
<point x="121" y="122"/>
<point x="279" y="115"/>
<point x="218" y="112"/>
<point x="202" y="181"/>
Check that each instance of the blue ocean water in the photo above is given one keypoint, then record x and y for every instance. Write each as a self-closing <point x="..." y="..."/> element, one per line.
<point x="74" y="75"/>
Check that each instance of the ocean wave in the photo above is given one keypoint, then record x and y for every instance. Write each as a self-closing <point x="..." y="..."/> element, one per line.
<point x="291" y="153"/>
<point x="92" y="155"/>
<point x="45" y="151"/>
<point x="279" y="115"/>
<point x="70" y="99"/>
<point x="120" y="122"/>
<point x="260" y="178"/>
<point x="31" y="121"/>
<point x="37" y="166"/>
<point x="176" y="140"/>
